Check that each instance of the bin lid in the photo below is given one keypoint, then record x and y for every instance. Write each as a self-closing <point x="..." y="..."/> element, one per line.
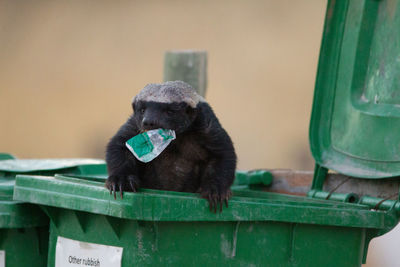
<point x="89" y="195"/>
<point x="11" y="167"/>
<point x="30" y="165"/>
<point x="4" y="156"/>
<point x="355" y="122"/>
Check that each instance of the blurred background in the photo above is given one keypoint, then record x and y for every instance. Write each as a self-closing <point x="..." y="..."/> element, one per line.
<point x="69" y="69"/>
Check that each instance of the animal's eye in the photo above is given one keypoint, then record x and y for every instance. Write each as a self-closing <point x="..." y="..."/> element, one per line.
<point x="142" y="110"/>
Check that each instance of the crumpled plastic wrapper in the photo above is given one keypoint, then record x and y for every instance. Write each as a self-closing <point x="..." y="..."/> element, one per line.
<point x="149" y="145"/>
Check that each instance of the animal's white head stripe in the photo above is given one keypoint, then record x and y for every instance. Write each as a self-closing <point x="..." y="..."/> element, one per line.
<point x="169" y="92"/>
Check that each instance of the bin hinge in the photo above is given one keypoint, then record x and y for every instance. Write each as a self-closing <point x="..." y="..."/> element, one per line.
<point x="320" y="174"/>
<point x="319" y="177"/>
<point x="323" y="188"/>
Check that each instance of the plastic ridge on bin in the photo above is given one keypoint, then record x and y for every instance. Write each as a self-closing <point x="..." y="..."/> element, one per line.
<point x="153" y="205"/>
<point x="254" y="177"/>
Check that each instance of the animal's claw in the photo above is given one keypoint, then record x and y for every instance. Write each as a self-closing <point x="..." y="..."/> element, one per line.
<point x="216" y="198"/>
<point x="121" y="183"/>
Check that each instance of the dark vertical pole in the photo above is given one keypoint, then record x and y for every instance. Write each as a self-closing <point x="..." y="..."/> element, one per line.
<point x="188" y="66"/>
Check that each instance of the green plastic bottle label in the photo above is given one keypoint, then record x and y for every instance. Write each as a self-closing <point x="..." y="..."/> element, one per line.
<point x="149" y="145"/>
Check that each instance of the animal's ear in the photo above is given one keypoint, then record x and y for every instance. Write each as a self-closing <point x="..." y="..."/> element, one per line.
<point x="134" y="105"/>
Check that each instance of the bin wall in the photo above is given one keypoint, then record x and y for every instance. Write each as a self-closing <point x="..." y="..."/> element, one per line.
<point x="212" y="243"/>
<point x="25" y="246"/>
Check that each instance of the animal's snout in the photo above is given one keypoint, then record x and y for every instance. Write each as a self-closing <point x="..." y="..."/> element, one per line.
<point x="149" y="123"/>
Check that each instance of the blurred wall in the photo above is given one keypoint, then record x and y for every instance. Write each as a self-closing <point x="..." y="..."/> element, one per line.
<point x="69" y="69"/>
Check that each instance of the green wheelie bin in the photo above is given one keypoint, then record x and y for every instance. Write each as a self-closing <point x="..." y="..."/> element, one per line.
<point x="155" y="228"/>
<point x="24" y="228"/>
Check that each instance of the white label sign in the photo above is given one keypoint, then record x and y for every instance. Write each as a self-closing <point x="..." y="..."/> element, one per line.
<point x="2" y="258"/>
<point x="76" y="253"/>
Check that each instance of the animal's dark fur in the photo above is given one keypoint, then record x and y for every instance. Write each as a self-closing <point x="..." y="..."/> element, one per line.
<point x="201" y="159"/>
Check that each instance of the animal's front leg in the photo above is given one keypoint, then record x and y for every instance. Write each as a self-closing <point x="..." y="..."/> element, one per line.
<point x="123" y="168"/>
<point x="215" y="185"/>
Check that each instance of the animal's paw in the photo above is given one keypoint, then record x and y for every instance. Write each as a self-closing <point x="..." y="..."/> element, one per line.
<point x="216" y="197"/>
<point x="122" y="183"/>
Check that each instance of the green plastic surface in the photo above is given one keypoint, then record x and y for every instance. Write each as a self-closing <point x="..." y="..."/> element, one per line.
<point x="255" y="177"/>
<point x="356" y="111"/>
<point x="4" y="156"/>
<point x="6" y="188"/>
<point x="9" y="167"/>
<point x="35" y="165"/>
<point x="26" y="246"/>
<point x="159" y="227"/>
<point x="154" y="205"/>
<point x="24" y="228"/>
<point x="213" y="243"/>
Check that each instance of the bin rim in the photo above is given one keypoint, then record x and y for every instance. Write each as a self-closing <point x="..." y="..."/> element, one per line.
<point x="154" y="205"/>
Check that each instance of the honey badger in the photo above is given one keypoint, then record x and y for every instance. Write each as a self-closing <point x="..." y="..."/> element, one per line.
<point x="202" y="159"/>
